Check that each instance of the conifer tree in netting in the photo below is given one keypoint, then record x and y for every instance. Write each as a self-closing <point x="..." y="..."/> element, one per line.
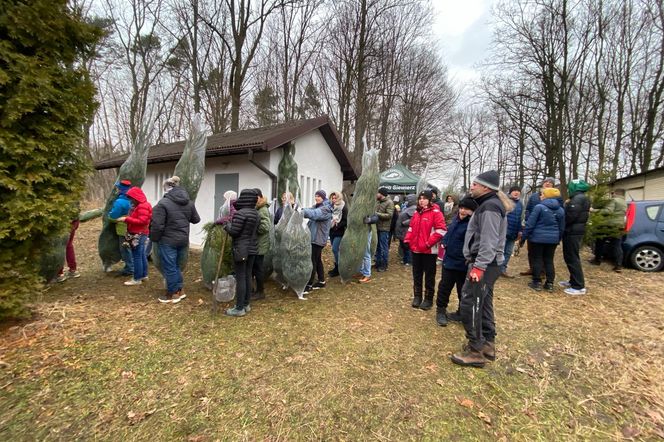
<point x="288" y="177"/>
<point x="190" y="169"/>
<point x="268" y="264"/>
<point x="133" y="169"/>
<point x="354" y="242"/>
<point x="296" y="262"/>
<point x="47" y="99"/>
<point x="214" y="236"/>
<point x="277" y="259"/>
<point x="422" y="182"/>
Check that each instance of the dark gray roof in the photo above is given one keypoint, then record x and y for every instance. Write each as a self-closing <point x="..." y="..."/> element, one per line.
<point x="262" y="139"/>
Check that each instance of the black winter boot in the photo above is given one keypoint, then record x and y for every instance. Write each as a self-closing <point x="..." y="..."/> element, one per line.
<point x="427" y="303"/>
<point x="441" y="317"/>
<point x="417" y="300"/>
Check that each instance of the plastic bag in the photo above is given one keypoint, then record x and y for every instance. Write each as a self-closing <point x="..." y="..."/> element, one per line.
<point x="224" y="289"/>
<point x="296" y="259"/>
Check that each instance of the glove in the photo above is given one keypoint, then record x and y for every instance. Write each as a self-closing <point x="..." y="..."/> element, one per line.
<point x="475" y="274"/>
<point x="367" y="220"/>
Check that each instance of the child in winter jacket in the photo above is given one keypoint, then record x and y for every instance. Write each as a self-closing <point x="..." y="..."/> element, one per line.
<point x="138" y="227"/>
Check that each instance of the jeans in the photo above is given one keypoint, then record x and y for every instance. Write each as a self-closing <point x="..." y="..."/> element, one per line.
<point x="449" y="279"/>
<point x="127" y="257"/>
<point x="572" y="257"/>
<point x="543" y="258"/>
<point x="365" y="269"/>
<point x="382" y="250"/>
<point x="140" y="259"/>
<point x="317" y="261"/>
<point x="509" y="248"/>
<point x="243" y="281"/>
<point x="407" y="257"/>
<point x="170" y="256"/>
<point x="424" y="265"/>
<point x="257" y="272"/>
<point x="477" y="308"/>
<point x="336" y="242"/>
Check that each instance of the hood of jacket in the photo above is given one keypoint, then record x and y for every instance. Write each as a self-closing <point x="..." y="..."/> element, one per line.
<point x="137" y="194"/>
<point x="551" y="203"/>
<point x="411" y="199"/>
<point x="575" y="186"/>
<point x="178" y="195"/>
<point x="247" y="199"/>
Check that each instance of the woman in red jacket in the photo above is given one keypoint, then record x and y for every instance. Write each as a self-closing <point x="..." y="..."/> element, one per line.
<point x="138" y="227"/>
<point x="425" y="231"/>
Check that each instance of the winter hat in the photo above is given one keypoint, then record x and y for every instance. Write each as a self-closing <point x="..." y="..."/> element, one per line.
<point x="321" y="193"/>
<point x="383" y="191"/>
<point x="549" y="179"/>
<point x="513" y="188"/>
<point x="435" y="190"/>
<point x="123" y="185"/>
<point x="489" y="179"/>
<point x="551" y="192"/>
<point x="577" y="186"/>
<point x="426" y="193"/>
<point x="258" y="192"/>
<point x="468" y="203"/>
<point x="247" y="199"/>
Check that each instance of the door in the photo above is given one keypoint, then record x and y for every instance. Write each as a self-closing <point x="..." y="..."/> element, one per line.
<point x="223" y="182"/>
<point x="660" y="225"/>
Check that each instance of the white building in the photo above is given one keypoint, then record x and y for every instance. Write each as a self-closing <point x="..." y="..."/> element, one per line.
<point x="249" y="159"/>
<point x="647" y="185"/>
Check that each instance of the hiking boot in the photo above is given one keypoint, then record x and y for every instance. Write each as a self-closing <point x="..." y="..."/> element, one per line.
<point x="318" y="285"/>
<point x="165" y="299"/>
<point x="564" y="284"/>
<point x="535" y="285"/>
<point x="575" y="292"/>
<point x="441" y="318"/>
<point x="307" y="289"/>
<point x="364" y="279"/>
<point x="454" y="316"/>
<point x="489" y="351"/>
<point x="469" y="358"/>
<point x="257" y="295"/>
<point x="417" y="301"/>
<point x="133" y="282"/>
<point x="548" y="286"/>
<point x="334" y="272"/>
<point x="73" y="274"/>
<point x="528" y="272"/>
<point x="427" y="303"/>
<point x="61" y="278"/>
<point x="238" y="312"/>
<point x="618" y="269"/>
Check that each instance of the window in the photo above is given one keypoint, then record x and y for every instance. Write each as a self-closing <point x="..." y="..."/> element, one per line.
<point x="652" y="212"/>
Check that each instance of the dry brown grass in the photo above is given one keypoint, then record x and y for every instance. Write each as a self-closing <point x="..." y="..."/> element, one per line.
<point x="103" y="361"/>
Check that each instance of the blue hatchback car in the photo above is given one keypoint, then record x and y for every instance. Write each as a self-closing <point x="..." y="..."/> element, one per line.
<point x="643" y="244"/>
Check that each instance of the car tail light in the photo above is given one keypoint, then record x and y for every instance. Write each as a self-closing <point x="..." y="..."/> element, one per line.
<point x="629" y="216"/>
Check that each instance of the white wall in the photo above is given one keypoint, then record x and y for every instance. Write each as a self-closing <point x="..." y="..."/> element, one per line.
<point x="316" y="165"/>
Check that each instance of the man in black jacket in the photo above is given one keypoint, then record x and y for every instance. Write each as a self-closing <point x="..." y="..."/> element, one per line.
<point x="170" y="230"/>
<point x="577" y="209"/>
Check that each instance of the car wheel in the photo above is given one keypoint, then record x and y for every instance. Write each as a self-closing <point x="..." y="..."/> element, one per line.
<point x="647" y="258"/>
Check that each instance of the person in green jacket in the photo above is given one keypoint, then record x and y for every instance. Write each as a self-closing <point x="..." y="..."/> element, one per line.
<point x="384" y="211"/>
<point x="614" y="219"/>
<point x="263" y="233"/>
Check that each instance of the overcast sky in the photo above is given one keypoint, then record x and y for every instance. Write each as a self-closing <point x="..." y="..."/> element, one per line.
<point x="464" y="33"/>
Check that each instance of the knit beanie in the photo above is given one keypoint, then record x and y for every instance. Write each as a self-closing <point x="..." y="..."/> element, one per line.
<point x="321" y="193"/>
<point x="551" y="192"/>
<point x="435" y="190"/>
<point x="426" y="193"/>
<point x="383" y="191"/>
<point x="123" y="185"/>
<point x="549" y="179"/>
<point x="468" y="203"/>
<point x="489" y="179"/>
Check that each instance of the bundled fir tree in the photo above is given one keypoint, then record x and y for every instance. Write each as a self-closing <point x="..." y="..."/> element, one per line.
<point x="46" y="99"/>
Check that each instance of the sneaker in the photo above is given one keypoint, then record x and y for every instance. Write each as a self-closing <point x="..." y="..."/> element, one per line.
<point x="61" y="278"/>
<point x="318" y="285"/>
<point x="73" y="274"/>
<point x="575" y="292"/>
<point x="489" y="350"/>
<point x="417" y="300"/>
<point x="454" y="316"/>
<point x="145" y="278"/>
<point x="133" y="282"/>
<point x="165" y="299"/>
<point x="507" y="275"/>
<point x="364" y="279"/>
<point x="178" y="296"/>
<point x="427" y="303"/>
<point x="381" y="269"/>
<point x="307" y="289"/>
<point x="235" y="312"/>
<point x="564" y="284"/>
<point x="247" y="308"/>
<point x="441" y="318"/>
<point x="537" y="286"/>
<point x="548" y="286"/>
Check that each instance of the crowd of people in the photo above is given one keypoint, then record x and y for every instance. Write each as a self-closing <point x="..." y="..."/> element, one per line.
<point x="472" y="238"/>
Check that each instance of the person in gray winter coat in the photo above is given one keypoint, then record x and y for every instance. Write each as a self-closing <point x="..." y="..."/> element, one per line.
<point x="320" y="218"/>
<point x="403" y="221"/>
<point x="170" y="229"/>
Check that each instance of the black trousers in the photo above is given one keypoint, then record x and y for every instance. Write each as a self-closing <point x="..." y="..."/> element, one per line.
<point x="449" y="279"/>
<point x="424" y="265"/>
<point x="543" y="259"/>
<point x="257" y="272"/>
<point x="614" y="244"/>
<point x="317" y="261"/>
<point x="477" y="308"/>
<point x="572" y="256"/>
<point x="243" y="281"/>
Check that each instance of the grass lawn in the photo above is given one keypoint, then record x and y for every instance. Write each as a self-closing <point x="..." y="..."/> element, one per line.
<point x="354" y="362"/>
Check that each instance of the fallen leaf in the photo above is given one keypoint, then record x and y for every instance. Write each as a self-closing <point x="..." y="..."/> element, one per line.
<point x="486" y="418"/>
<point x="465" y="402"/>
<point x="630" y="432"/>
<point x="440" y="382"/>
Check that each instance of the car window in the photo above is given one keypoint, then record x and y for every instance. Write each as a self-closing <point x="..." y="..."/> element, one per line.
<point x="652" y="212"/>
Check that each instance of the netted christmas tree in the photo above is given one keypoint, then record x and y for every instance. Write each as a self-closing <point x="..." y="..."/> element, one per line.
<point x="215" y="236"/>
<point x="296" y="260"/>
<point x="277" y="259"/>
<point x="288" y="175"/>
